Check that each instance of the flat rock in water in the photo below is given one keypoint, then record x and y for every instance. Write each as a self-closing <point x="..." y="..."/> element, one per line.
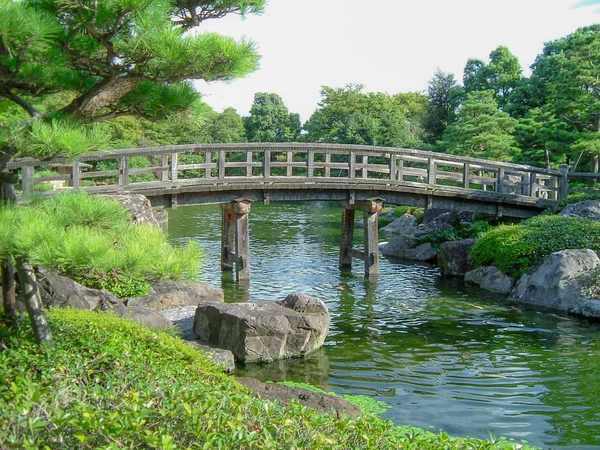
<point x="405" y="225"/>
<point x="491" y="279"/>
<point x="323" y="403"/>
<point x="454" y="257"/>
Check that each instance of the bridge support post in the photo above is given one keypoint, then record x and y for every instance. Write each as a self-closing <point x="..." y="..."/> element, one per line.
<point x="235" y="238"/>
<point x="370" y="253"/>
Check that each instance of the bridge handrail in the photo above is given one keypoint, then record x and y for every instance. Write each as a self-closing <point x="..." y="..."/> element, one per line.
<point x="422" y="166"/>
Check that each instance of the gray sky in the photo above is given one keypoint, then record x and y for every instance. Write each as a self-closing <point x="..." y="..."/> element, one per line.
<point x="387" y="45"/>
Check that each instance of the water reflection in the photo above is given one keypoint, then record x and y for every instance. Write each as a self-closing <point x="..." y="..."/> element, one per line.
<point x="438" y="352"/>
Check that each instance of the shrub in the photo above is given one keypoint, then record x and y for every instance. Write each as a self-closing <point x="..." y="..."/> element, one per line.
<point x="109" y="383"/>
<point x="472" y="230"/>
<point x="413" y="210"/>
<point x="514" y="249"/>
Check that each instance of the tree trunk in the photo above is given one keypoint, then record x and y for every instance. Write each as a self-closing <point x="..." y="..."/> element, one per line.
<point x="103" y="94"/>
<point x="594" y="167"/>
<point x="8" y="291"/>
<point x="33" y="302"/>
<point x="546" y="157"/>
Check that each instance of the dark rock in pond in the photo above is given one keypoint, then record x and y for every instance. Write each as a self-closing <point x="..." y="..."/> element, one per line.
<point x="445" y="221"/>
<point x="222" y="358"/>
<point x="403" y="225"/>
<point x="403" y="247"/>
<point x="491" y="279"/>
<point x="323" y="403"/>
<point x="589" y="209"/>
<point x="264" y="331"/>
<point x="138" y="205"/>
<point x="565" y="280"/>
<point x="177" y="294"/>
<point x="454" y="257"/>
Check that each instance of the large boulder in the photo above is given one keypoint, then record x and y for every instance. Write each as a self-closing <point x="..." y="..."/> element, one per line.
<point x="177" y="294"/>
<point x="147" y="317"/>
<point x="139" y="207"/>
<point x="404" y="225"/>
<point x="491" y="279"/>
<point x="564" y="280"/>
<point x="264" y="331"/>
<point x="589" y="209"/>
<point x="454" y="257"/>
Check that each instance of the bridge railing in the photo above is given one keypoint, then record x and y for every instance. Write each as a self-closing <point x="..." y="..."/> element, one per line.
<point x="305" y="163"/>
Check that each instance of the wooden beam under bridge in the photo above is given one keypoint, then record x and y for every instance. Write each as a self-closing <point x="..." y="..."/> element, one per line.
<point x="235" y="238"/>
<point x="370" y="253"/>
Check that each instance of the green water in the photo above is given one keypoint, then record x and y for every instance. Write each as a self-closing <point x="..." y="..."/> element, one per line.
<point x="441" y="354"/>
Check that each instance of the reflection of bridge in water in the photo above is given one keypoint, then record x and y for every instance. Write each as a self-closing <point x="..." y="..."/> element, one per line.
<point x="360" y="177"/>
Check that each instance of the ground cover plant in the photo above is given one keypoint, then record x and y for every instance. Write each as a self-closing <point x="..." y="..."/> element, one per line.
<point x="92" y="240"/>
<point x="109" y="383"/>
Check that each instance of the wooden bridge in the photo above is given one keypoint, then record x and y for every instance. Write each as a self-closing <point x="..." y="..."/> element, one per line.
<point x="359" y="177"/>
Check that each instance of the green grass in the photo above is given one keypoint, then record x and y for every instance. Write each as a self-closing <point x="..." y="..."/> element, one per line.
<point x="109" y="383"/>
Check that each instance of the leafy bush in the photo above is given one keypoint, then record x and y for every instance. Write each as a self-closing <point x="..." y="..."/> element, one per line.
<point x="472" y="230"/>
<point x="92" y="240"/>
<point x="109" y="383"/>
<point x="514" y="249"/>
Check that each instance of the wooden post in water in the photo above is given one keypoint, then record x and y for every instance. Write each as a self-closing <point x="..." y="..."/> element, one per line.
<point x="370" y="253"/>
<point x="235" y="238"/>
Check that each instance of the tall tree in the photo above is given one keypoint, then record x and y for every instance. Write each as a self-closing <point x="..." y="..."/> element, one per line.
<point x="444" y="97"/>
<point x="566" y="77"/>
<point x="481" y="130"/>
<point x="271" y="121"/>
<point x="501" y="75"/>
<point x="226" y="127"/>
<point x="349" y="116"/>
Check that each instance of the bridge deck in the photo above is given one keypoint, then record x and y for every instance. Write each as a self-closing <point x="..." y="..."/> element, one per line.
<point x="218" y="173"/>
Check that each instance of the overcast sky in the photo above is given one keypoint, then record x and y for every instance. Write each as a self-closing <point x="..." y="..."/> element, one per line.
<point x="387" y="45"/>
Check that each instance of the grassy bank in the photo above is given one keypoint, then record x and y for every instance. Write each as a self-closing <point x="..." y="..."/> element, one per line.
<point x="108" y="383"/>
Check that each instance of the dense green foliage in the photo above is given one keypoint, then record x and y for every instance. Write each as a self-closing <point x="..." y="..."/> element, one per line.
<point x="515" y="249"/>
<point x="109" y="383"/>
<point x="270" y="120"/>
<point x="472" y="230"/>
<point x="92" y="240"/>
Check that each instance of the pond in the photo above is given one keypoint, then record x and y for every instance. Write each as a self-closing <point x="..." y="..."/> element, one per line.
<point x="442" y="355"/>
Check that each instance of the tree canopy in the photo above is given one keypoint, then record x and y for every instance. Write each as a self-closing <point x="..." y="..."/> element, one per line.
<point x="271" y="121"/>
<point x="115" y="58"/>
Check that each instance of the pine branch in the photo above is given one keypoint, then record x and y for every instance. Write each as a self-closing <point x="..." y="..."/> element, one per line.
<point x="20" y="101"/>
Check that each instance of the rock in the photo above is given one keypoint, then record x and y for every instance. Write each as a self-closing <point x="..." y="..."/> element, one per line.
<point x="454" y="257"/>
<point x="403" y="247"/>
<point x="147" y="317"/>
<point x="429" y="214"/>
<point x="62" y="292"/>
<point x="222" y="358"/>
<point x="405" y="225"/>
<point x="177" y="294"/>
<point x="564" y="280"/>
<point x="589" y="209"/>
<point x="138" y="205"/>
<point x="264" y="331"/>
<point x="183" y="319"/>
<point x="445" y="221"/>
<point x="323" y="403"/>
<point x="491" y="279"/>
